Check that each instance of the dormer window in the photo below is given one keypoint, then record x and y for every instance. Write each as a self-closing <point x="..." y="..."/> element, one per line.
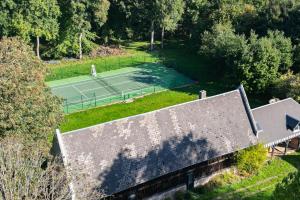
<point x="292" y="123"/>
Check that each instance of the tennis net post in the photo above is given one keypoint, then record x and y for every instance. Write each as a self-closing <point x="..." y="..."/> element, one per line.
<point x="95" y="99"/>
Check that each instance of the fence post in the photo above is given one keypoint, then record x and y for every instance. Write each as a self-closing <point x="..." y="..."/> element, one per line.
<point x="66" y="100"/>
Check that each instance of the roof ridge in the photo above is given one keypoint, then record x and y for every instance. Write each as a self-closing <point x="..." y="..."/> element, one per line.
<point x="248" y="110"/>
<point x="177" y="105"/>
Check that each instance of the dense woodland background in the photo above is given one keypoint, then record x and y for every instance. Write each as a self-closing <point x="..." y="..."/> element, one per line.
<point x="254" y="42"/>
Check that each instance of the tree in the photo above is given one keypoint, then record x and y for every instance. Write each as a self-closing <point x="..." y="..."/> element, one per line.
<point x="259" y="67"/>
<point x="288" y="85"/>
<point x="170" y="12"/>
<point x="289" y="188"/>
<point x="285" y="47"/>
<point x="27" y="105"/>
<point x="26" y="172"/>
<point x="224" y="48"/>
<point x="43" y="19"/>
<point x="78" y="16"/>
<point x="6" y="11"/>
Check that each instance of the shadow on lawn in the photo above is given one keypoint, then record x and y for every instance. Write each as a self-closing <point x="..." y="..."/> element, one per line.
<point x="293" y="159"/>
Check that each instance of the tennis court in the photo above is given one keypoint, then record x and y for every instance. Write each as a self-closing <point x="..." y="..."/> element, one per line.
<point x="84" y="92"/>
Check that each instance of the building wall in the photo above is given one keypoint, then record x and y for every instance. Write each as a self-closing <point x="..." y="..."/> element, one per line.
<point x="177" y="181"/>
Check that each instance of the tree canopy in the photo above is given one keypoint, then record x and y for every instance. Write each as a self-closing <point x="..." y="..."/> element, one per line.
<point x="27" y="105"/>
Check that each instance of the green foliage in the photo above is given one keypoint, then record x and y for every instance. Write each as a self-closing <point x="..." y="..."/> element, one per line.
<point x="254" y="62"/>
<point x="6" y="6"/>
<point x="258" y="68"/>
<point x="252" y="159"/>
<point x="27" y="105"/>
<point x="170" y="12"/>
<point x="288" y="85"/>
<point x="289" y="188"/>
<point x="223" y="46"/>
<point x="78" y="18"/>
<point x="42" y="17"/>
<point x="221" y="180"/>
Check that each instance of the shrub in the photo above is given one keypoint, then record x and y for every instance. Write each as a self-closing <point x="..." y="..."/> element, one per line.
<point x="250" y="160"/>
<point x="289" y="188"/>
<point x="221" y="180"/>
<point x="288" y="85"/>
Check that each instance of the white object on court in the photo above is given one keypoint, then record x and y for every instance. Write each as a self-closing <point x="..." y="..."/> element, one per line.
<point x="93" y="71"/>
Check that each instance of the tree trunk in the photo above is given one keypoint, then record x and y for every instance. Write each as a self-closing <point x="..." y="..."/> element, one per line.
<point x="38" y="47"/>
<point x="80" y="46"/>
<point x="162" y="37"/>
<point x="152" y="36"/>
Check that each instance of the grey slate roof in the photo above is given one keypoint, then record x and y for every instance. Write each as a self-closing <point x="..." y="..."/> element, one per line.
<point x="130" y="151"/>
<point x="273" y="118"/>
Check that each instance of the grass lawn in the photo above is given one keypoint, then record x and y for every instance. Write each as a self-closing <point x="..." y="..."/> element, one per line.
<point x="257" y="187"/>
<point x="148" y="103"/>
<point x="134" y="56"/>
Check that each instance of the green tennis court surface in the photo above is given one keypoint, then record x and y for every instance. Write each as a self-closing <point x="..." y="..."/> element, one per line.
<point x="84" y="92"/>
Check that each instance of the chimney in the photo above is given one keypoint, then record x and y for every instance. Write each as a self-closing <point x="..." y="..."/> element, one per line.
<point x="202" y="94"/>
<point x="274" y="100"/>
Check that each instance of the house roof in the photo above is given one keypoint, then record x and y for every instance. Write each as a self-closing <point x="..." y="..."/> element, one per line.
<point x="124" y="153"/>
<point x="291" y="122"/>
<point x="274" y="120"/>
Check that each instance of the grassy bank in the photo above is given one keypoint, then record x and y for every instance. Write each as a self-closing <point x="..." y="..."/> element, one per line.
<point x="259" y="186"/>
<point x="141" y="105"/>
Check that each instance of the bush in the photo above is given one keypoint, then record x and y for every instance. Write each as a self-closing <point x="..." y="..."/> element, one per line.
<point x="27" y="104"/>
<point x="255" y="61"/>
<point x="221" y="180"/>
<point x="288" y="85"/>
<point x="250" y="160"/>
<point x="289" y="188"/>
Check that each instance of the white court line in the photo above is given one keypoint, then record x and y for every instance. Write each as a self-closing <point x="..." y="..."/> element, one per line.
<point x="84" y="82"/>
<point x="121" y="83"/>
<point x="108" y="96"/>
<point x="79" y="91"/>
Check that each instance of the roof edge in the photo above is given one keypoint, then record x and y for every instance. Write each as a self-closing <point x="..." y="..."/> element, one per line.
<point x="270" y="104"/>
<point x="248" y="109"/>
<point x="64" y="158"/>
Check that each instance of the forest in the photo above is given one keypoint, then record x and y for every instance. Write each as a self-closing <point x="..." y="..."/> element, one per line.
<point x="253" y="42"/>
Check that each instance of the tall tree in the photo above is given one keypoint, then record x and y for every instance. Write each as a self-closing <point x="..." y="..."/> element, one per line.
<point x="6" y="11"/>
<point x="43" y="18"/>
<point x="27" y="105"/>
<point x="79" y="16"/>
<point x="170" y="12"/>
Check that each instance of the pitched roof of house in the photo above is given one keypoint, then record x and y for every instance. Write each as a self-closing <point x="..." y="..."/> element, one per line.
<point x="274" y="120"/>
<point x="124" y="153"/>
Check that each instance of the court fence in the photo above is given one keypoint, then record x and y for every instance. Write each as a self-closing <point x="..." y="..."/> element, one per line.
<point x="84" y="103"/>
